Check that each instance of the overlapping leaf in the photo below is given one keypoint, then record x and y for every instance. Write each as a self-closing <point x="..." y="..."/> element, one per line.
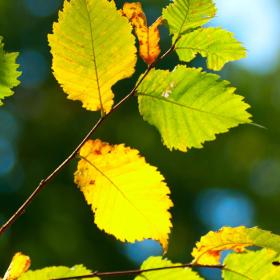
<point x="166" y="274"/>
<point x="189" y="106"/>
<point x="263" y="264"/>
<point x="8" y="72"/>
<point x="19" y="265"/>
<point x="56" y="272"/>
<point x="209" y="248"/>
<point x="217" y="45"/>
<point x="148" y="37"/>
<point x="128" y="196"/>
<point x="184" y="15"/>
<point x="92" y="48"/>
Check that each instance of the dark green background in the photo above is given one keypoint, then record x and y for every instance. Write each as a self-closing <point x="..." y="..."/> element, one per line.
<point x="58" y="228"/>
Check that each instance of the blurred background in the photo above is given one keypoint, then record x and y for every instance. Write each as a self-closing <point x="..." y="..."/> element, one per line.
<point x="234" y="180"/>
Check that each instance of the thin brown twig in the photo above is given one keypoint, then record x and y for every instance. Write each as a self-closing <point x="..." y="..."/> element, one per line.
<point x="58" y="169"/>
<point x="138" y="271"/>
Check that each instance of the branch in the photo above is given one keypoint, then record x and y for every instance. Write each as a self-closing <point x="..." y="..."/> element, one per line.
<point x="58" y="169"/>
<point x="139" y="271"/>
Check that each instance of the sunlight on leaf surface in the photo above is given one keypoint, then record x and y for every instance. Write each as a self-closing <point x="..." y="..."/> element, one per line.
<point x="128" y="196"/>
<point x="189" y="106"/>
<point x="92" y="48"/>
<point x="208" y="250"/>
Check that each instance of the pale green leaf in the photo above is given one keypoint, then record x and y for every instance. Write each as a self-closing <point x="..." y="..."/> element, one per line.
<point x="8" y="72"/>
<point x="166" y="274"/>
<point x="183" y="15"/>
<point x="93" y="48"/>
<point x="217" y="45"/>
<point x="55" y="272"/>
<point x="189" y="106"/>
<point x="259" y="265"/>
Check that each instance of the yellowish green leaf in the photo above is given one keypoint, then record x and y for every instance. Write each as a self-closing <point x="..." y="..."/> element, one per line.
<point x="8" y="72"/>
<point x="148" y="37"/>
<point x="217" y="45"/>
<point x="208" y="249"/>
<point x="189" y="106"/>
<point x="92" y="48"/>
<point x="184" y="15"/>
<point x="56" y="272"/>
<point x="260" y="265"/>
<point x="128" y="196"/>
<point x="19" y="264"/>
<point x="166" y="274"/>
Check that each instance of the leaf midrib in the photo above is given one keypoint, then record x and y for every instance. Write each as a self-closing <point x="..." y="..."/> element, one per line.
<point x="189" y="107"/>
<point x="94" y="56"/>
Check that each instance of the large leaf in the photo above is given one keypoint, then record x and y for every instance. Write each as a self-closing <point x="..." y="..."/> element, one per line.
<point x="92" y="48"/>
<point x="208" y="249"/>
<point x="218" y="45"/>
<point x="189" y="106"/>
<point x="8" y="72"/>
<point x="128" y="196"/>
<point x="55" y="272"/>
<point x="263" y="264"/>
<point x="183" y="15"/>
<point x="148" y="37"/>
<point x="166" y="274"/>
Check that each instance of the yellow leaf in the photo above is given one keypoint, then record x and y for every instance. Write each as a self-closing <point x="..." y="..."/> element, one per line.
<point x="93" y="48"/>
<point x="208" y="250"/>
<point x="128" y="196"/>
<point x="148" y="37"/>
<point x="19" y="264"/>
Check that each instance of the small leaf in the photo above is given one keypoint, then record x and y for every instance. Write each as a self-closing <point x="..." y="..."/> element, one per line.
<point x="148" y="37"/>
<point x="218" y="45"/>
<point x="184" y="15"/>
<point x="189" y="106"/>
<point x="8" y="72"/>
<point x="252" y="265"/>
<point x="19" y="264"/>
<point x="93" y="48"/>
<point x="166" y="274"/>
<point x="56" y="272"/>
<point x="208" y="250"/>
<point x="128" y="196"/>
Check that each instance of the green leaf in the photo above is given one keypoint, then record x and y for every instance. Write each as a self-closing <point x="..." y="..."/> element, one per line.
<point x="55" y="272"/>
<point x="166" y="274"/>
<point x="183" y="15"/>
<point x="93" y="48"/>
<point x="218" y="45"/>
<point x="189" y="106"/>
<point x="262" y="264"/>
<point x="8" y="72"/>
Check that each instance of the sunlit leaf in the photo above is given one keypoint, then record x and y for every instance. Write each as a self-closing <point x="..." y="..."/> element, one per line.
<point x="217" y="45"/>
<point x="208" y="249"/>
<point x="148" y="36"/>
<point x="260" y="265"/>
<point x="8" y="72"/>
<point x="92" y="48"/>
<point x="56" y="272"/>
<point x="166" y="274"/>
<point x="189" y="106"/>
<point x="183" y="15"/>
<point x="128" y="196"/>
<point x="19" y="264"/>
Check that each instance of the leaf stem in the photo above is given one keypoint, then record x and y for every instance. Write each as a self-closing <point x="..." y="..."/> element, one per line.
<point x="139" y="271"/>
<point x="43" y="183"/>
